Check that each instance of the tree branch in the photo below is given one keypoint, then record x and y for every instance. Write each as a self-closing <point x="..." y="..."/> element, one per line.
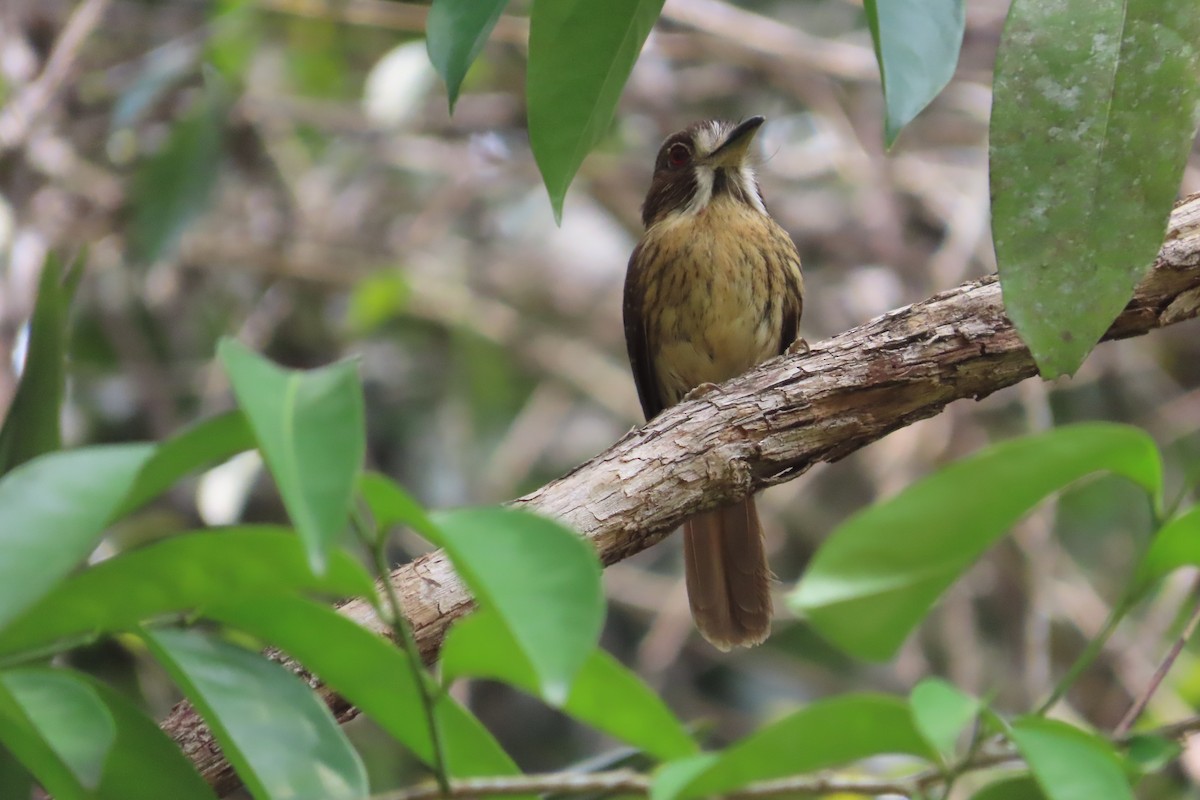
<point x="766" y="427"/>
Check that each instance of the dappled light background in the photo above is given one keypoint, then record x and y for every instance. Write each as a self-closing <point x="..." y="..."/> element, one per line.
<point x="287" y="171"/>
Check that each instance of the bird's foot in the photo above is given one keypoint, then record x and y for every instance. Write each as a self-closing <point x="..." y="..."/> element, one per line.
<point x="798" y="348"/>
<point x="702" y="390"/>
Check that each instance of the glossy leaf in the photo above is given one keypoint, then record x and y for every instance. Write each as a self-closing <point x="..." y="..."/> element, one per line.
<point x="279" y="736"/>
<point x="605" y="694"/>
<point x="52" y="512"/>
<point x="123" y="752"/>
<point x="1093" y="115"/>
<point x="68" y="715"/>
<point x="941" y="712"/>
<point x="455" y="33"/>
<point x="1069" y="763"/>
<point x="1022" y="787"/>
<point x="391" y="505"/>
<point x="24" y="741"/>
<point x="1177" y="544"/>
<point x="877" y="575"/>
<point x="31" y="423"/>
<point x="580" y="55"/>
<point x="916" y="44"/>
<point x="542" y="580"/>
<point x="826" y="734"/>
<point x="309" y="427"/>
<point x="184" y="574"/>
<point x="15" y="780"/>
<point x="372" y="674"/>
<point x="198" y="446"/>
<point x="174" y="186"/>
<point x="1149" y="752"/>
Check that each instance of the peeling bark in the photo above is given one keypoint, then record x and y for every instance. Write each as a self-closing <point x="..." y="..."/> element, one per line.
<point x="765" y="427"/>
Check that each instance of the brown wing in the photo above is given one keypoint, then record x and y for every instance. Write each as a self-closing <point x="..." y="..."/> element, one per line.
<point x="792" y="300"/>
<point x="636" y="341"/>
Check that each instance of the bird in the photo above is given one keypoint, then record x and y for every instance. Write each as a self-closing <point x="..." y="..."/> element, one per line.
<point x="712" y="289"/>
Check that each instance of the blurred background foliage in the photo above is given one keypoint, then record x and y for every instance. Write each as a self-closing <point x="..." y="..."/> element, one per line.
<point x="287" y="171"/>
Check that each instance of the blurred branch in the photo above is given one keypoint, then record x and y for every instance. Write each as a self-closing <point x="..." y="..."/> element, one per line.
<point x="18" y="117"/>
<point x="630" y="782"/>
<point x="769" y="426"/>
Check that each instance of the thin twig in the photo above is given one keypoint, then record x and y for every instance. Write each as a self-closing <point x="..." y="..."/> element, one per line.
<point x="1085" y="659"/>
<point x="1168" y="661"/>
<point x="394" y="616"/>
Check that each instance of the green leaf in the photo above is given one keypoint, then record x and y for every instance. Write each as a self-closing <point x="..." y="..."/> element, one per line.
<point x="455" y="33"/>
<point x="941" y="712"/>
<point x="52" y="512"/>
<point x="15" y="780"/>
<point x="198" y="446"/>
<point x="1177" y="544"/>
<point x="278" y="735"/>
<point x="877" y="575"/>
<point x="1149" y="752"/>
<point x="1070" y="764"/>
<point x="916" y="44"/>
<point x="604" y="695"/>
<point x="31" y="425"/>
<point x="173" y="187"/>
<point x="309" y="426"/>
<point x="390" y="506"/>
<point x="184" y="574"/>
<point x="542" y="580"/>
<point x="111" y="746"/>
<point x="1021" y="787"/>
<point x="21" y="738"/>
<point x="68" y="715"/>
<point x="371" y="674"/>
<point x="1093" y="115"/>
<point x="580" y="55"/>
<point x="826" y="734"/>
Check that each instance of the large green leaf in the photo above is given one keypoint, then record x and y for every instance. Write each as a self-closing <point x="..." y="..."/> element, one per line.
<point x="1093" y="115"/>
<point x="112" y="748"/>
<point x="173" y="187"/>
<point x="455" y="33"/>
<point x="24" y="741"/>
<point x="279" y="736"/>
<point x="542" y="580"/>
<point x="52" y="512"/>
<point x="390" y="505"/>
<point x="1070" y="764"/>
<point x="605" y="694"/>
<point x="68" y="715"/>
<point x="200" y="445"/>
<point x="877" y="575"/>
<point x="371" y="673"/>
<point x="309" y="426"/>
<point x="826" y="734"/>
<point x="580" y="55"/>
<point x="31" y="424"/>
<point x="184" y="574"/>
<point x="916" y="44"/>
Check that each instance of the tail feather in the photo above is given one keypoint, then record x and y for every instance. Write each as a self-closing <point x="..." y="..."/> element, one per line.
<point x="728" y="580"/>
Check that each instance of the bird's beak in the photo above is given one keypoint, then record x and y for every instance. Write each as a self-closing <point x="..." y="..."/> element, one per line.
<point x="732" y="151"/>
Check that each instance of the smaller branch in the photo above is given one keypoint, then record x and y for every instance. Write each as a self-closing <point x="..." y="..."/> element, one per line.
<point x="19" y="116"/>
<point x="634" y="783"/>
<point x="1089" y="654"/>
<point x="1168" y="661"/>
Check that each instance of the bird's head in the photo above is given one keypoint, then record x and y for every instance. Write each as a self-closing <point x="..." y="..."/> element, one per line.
<point x="700" y="163"/>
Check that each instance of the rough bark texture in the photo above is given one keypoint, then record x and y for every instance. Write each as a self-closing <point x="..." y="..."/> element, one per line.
<point x="766" y="427"/>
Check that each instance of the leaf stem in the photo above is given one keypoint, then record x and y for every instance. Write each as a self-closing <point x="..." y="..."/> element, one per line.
<point x="394" y="617"/>
<point x="1089" y="653"/>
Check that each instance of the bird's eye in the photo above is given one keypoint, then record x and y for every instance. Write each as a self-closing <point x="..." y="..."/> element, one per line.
<point x="678" y="155"/>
